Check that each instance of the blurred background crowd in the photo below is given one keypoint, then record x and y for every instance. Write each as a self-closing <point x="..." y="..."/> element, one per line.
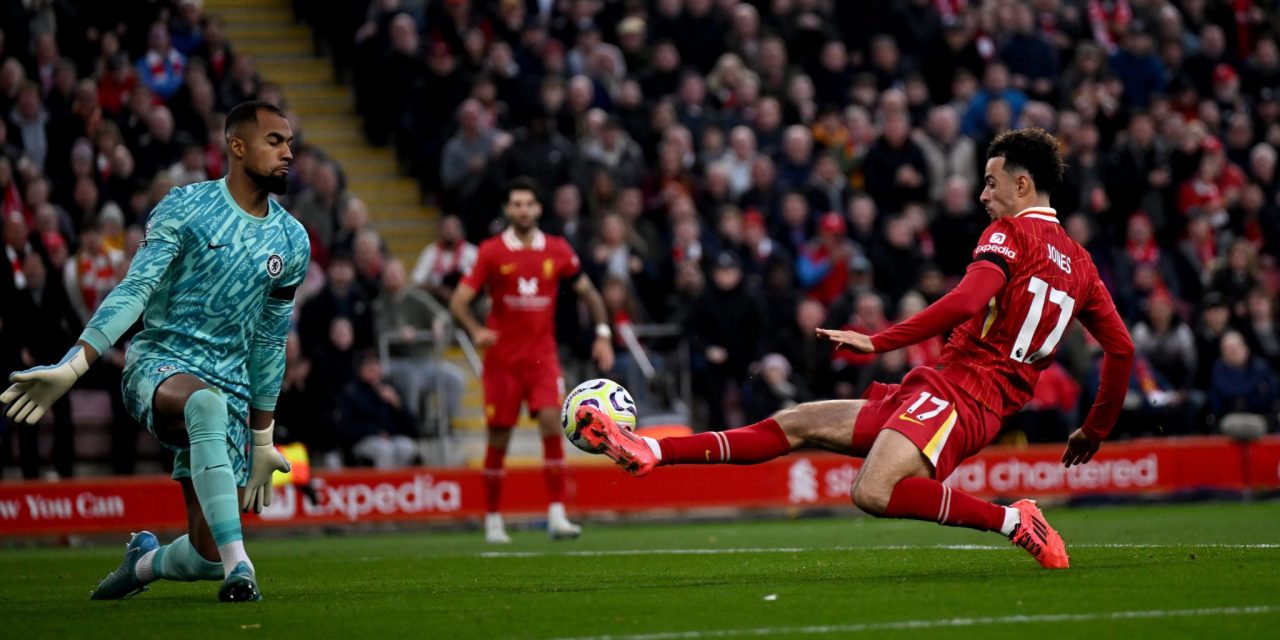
<point x="746" y="170"/>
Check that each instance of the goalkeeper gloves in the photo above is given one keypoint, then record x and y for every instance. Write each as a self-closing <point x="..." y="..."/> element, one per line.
<point x="37" y="388"/>
<point x="266" y="461"/>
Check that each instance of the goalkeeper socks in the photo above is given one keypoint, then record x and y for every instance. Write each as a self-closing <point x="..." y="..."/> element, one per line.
<point x="215" y="485"/>
<point x="553" y="466"/>
<point x="927" y="499"/>
<point x="756" y="443"/>
<point x="493" y="475"/>
<point x="178" y="560"/>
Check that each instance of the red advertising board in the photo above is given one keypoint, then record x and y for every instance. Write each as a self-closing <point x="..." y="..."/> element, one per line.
<point x="428" y="494"/>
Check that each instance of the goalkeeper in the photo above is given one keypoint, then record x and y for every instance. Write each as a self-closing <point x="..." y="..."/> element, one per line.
<point x="214" y="282"/>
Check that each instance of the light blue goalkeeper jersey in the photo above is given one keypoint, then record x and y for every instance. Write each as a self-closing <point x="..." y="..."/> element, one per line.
<point x="215" y="288"/>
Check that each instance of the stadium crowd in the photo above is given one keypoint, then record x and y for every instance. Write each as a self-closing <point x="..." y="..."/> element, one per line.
<point x="747" y="170"/>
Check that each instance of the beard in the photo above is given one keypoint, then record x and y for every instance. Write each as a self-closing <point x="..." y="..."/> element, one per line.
<point x="270" y="183"/>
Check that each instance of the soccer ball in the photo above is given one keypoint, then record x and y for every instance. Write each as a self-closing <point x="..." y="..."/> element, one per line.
<point x="603" y="394"/>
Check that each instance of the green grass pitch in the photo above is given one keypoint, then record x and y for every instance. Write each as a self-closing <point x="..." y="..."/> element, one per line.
<point x="1191" y="571"/>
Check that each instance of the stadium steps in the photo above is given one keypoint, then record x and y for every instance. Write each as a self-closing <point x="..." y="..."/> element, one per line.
<point x="283" y="52"/>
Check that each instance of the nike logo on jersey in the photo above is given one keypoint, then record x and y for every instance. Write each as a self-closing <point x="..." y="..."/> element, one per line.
<point x="908" y="418"/>
<point x="506" y="268"/>
<point x="219" y="246"/>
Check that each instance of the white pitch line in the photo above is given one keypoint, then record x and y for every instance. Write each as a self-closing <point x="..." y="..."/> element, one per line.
<point x="948" y="547"/>
<point x="944" y="623"/>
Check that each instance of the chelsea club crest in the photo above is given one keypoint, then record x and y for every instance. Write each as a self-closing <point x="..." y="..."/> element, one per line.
<point x="275" y="265"/>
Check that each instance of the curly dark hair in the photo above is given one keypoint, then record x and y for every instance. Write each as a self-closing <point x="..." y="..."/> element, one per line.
<point x="1032" y="150"/>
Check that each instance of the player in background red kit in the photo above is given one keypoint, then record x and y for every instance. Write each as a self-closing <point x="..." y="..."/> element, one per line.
<point x="522" y="268"/>
<point x="1027" y="281"/>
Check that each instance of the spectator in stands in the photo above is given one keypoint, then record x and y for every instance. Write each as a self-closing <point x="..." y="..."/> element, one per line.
<point x="1138" y="68"/>
<point x="947" y="153"/>
<point x="1170" y="346"/>
<point x="569" y="220"/>
<point x="959" y="225"/>
<point x="995" y="88"/>
<point x="159" y="147"/>
<point x="241" y="84"/>
<point x="331" y="368"/>
<point x="464" y="167"/>
<point x="93" y="273"/>
<point x="540" y="152"/>
<point x="726" y="335"/>
<point x="162" y="67"/>
<point x="1242" y="382"/>
<point x="415" y="328"/>
<point x="1259" y="327"/>
<point x="616" y="152"/>
<point x="296" y="412"/>
<point x="46" y="322"/>
<point x="341" y="298"/>
<point x="1032" y="62"/>
<point x="1051" y="413"/>
<point x="1137" y="172"/>
<point x="868" y="315"/>
<point x="796" y="162"/>
<point x="822" y="269"/>
<point x="442" y="263"/>
<point x="215" y="50"/>
<point x="773" y="389"/>
<point x="320" y="208"/>
<point x="895" y="167"/>
<point x="1237" y="275"/>
<point x="28" y="119"/>
<point x="898" y="259"/>
<point x="369" y="258"/>
<point x="1142" y="251"/>
<point x="374" y="424"/>
<point x="355" y="220"/>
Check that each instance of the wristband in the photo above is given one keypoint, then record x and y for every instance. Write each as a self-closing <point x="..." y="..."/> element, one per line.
<point x="603" y="331"/>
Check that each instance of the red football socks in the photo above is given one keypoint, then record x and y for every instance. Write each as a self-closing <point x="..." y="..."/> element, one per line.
<point x="493" y="475"/>
<point x="553" y="466"/>
<point x="926" y="499"/>
<point x="759" y="442"/>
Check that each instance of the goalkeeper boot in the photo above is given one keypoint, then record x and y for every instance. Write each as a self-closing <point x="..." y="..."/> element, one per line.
<point x="626" y="448"/>
<point x="495" y="530"/>
<point x="124" y="582"/>
<point x="558" y="525"/>
<point x="1039" y="539"/>
<point x="240" y="586"/>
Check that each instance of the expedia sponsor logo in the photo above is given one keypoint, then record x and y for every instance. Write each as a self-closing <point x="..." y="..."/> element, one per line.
<point x="996" y="248"/>
<point x="402" y="496"/>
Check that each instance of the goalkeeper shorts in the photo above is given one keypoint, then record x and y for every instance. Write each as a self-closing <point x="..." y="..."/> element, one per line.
<point x="139" y="384"/>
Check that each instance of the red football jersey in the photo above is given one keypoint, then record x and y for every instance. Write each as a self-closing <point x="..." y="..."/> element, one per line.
<point x="998" y="356"/>
<point x="523" y="282"/>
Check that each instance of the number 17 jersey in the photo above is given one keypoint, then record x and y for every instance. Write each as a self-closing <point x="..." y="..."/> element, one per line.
<point x="997" y="356"/>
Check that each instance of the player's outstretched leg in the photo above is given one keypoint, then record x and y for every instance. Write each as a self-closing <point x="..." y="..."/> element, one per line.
<point x="124" y="581"/>
<point x="1034" y="534"/>
<point x="215" y="486"/>
<point x="825" y="425"/>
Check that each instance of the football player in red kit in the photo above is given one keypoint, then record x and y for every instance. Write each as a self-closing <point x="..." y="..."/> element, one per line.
<point x="522" y="268"/>
<point x="1007" y="315"/>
